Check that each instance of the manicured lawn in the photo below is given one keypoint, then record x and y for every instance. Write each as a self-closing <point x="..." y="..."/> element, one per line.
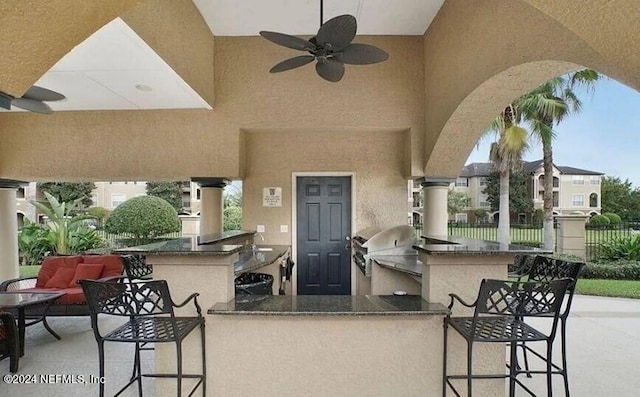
<point x="29" y="271"/>
<point x="617" y="288"/>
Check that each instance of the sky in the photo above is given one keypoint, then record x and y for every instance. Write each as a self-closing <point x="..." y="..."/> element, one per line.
<point x="603" y="137"/>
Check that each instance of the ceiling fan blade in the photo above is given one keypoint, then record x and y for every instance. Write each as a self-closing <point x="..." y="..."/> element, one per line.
<point x="361" y="54"/>
<point x="330" y="70"/>
<point x="42" y="94"/>
<point x="292" y="63"/>
<point x="288" y="41"/>
<point x="338" y="31"/>
<point x="32" y="105"/>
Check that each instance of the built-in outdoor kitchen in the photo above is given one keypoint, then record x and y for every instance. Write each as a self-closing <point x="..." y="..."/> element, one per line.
<point x="384" y="340"/>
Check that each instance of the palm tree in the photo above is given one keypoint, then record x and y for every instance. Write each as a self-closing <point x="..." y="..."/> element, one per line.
<point x="506" y="156"/>
<point x="548" y="104"/>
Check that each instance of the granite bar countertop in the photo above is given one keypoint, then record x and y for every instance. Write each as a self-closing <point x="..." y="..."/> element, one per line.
<point x="181" y="246"/>
<point x="217" y="238"/>
<point x="329" y="305"/>
<point x="404" y="263"/>
<point x="437" y="245"/>
<point x="250" y="261"/>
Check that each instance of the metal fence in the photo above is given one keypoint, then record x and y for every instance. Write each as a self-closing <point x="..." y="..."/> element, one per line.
<point x="120" y="240"/>
<point x="594" y="237"/>
<point x="521" y="233"/>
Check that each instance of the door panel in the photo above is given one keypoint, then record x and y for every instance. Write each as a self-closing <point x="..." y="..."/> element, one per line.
<point x="323" y="226"/>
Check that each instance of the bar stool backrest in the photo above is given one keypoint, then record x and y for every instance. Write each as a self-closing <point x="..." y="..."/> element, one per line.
<point x="132" y="299"/>
<point x="545" y="268"/>
<point x="521" y="299"/>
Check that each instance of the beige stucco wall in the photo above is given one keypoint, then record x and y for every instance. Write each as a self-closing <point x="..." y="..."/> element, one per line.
<point x="179" y="144"/>
<point x="374" y="156"/>
<point x="480" y="55"/>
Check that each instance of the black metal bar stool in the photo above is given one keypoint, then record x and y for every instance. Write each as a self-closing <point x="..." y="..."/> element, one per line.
<point x="151" y="320"/>
<point x="543" y="269"/>
<point x="498" y="317"/>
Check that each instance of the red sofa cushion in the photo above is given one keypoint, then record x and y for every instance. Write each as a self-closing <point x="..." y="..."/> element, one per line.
<point x="51" y="264"/>
<point x="61" y="278"/>
<point x="86" y="271"/>
<point x="112" y="264"/>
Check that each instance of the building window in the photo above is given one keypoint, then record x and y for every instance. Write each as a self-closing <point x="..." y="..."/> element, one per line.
<point x="593" y="200"/>
<point x="577" y="180"/>
<point x="94" y="200"/>
<point x="577" y="200"/>
<point x="595" y="180"/>
<point x="117" y="199"/>
<point x="485" y="204"/>
<point x="197" y="194"/>
<point x="20" y="193"/>
<point x="461" y="217"/>
<point x="556" y="199"/>
<point x="462" y="182"/>
<point x="484" y="181"/>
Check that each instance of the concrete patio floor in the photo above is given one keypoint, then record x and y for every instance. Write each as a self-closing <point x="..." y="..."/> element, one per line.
<point x="604" y="355"/>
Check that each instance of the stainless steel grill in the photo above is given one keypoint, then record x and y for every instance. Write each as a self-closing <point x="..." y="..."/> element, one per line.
<point x="397" y="240"/>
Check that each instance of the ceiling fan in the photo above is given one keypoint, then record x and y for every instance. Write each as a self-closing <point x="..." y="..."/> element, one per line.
<point x="331" y="48"/>
<point x="32" y="100"/>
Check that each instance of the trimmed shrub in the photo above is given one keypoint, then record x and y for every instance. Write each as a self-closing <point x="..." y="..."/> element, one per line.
<point x="599" y="221"/>
<point x="613" y="271"/>
<point x="144" y="217"/>
<point x="614" y="219"/>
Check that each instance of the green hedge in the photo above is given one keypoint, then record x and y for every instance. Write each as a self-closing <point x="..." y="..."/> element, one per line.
<point x="536" y="244"/>
<point x="612" y="271"/>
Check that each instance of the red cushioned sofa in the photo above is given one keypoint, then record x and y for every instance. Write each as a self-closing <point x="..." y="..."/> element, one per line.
<point x="60" y="274"/>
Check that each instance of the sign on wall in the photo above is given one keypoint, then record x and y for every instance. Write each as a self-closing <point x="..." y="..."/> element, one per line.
<point x="272" y="197"/>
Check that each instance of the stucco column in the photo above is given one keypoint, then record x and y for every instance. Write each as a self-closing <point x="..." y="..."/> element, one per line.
<point x="435" y="193"/>
<point x="212" y="204"/>
<point x="571" y="235"/>
<point x="8" y="229"/>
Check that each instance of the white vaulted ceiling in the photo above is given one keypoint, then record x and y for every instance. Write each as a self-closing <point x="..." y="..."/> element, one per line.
<point x="302" y="17"/>
<point x="115" y="69"/>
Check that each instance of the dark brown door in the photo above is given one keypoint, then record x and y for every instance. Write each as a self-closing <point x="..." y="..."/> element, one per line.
<point x="323" y="229"/>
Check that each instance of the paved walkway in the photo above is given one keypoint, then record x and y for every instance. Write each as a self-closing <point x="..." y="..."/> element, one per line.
<point x="604" y="355"/>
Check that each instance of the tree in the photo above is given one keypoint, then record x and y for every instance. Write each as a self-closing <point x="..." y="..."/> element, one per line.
<point x="520" y="201"/>
<point x="550" y="103"/>
<point x="171" y="192"/>
<point x="67" y="192"/>
<point x="98" y="213"/>
<point x="232" y="218"/>
<point x="506" y="155"/>
<point x="620" y="198"/>
<point x="457" y="201"/>
<point x="144" y="217"/>
<point x="67" y="234"/>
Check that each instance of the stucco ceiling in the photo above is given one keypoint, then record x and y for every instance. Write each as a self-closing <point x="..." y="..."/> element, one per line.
<point x="115" y="69"/>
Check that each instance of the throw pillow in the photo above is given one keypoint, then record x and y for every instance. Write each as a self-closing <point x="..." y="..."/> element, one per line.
<point x="86" y="271"/>
<point x="61" y="278"/>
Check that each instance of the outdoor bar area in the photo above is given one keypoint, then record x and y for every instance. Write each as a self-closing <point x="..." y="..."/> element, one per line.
<point x="377" y="108"/>
<point x="374" y="344"/>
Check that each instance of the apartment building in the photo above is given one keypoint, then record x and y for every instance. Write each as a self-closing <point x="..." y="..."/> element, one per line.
<point x="575" y="191"/>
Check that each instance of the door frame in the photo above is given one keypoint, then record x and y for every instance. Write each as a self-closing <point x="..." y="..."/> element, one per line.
<point x="294" y="223"/>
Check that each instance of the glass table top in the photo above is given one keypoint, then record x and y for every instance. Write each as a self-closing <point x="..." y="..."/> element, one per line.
<point x="17" y="299"/>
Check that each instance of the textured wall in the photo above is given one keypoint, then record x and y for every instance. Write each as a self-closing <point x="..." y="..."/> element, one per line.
<point x="36" y="34"/>
<point x="374" y="156"/>
<point x="373" y="356"/>
<point x="178" y="144"/>
<point x="480" y="55"/>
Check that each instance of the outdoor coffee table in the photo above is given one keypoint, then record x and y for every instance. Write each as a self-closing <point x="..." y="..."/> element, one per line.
<point x="19" y="301"/>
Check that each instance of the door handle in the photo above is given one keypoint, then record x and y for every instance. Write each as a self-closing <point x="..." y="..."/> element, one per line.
<point x="348" y="246"/>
